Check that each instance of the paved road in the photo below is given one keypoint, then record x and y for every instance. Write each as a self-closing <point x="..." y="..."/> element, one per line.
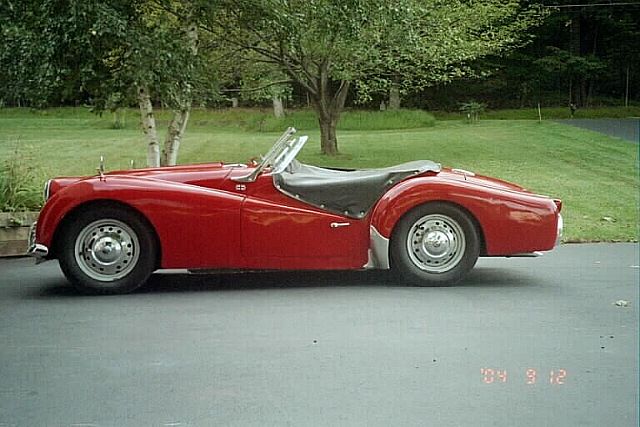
<point x="626" y="129"/>
<point x="328" y="349"/>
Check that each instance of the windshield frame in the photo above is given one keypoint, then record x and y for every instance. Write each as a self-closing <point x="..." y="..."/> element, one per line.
<point x="279" y="155"/>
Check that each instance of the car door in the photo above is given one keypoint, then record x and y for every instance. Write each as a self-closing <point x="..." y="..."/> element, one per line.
<point x="278" y="231"/>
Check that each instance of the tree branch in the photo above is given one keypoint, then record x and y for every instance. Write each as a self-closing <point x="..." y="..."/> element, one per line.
<point x="255" y="89"/>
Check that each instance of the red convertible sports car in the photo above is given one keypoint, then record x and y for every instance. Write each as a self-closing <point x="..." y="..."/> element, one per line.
<point x="430" y="224"/>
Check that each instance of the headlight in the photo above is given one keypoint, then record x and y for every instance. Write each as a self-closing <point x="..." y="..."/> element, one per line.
<point x="47" y="187"/>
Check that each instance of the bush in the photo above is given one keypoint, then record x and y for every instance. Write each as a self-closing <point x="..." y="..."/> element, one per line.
<point x="20" y="188"/>
<point x="472" y="110"/>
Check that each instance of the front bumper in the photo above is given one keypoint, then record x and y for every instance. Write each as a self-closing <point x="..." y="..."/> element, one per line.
<point x="560" y="229"/>
<point x="36" y="250"/>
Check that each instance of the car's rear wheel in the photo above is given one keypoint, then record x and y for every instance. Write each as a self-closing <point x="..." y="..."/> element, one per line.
<point x="107" y="250"/>
<point x="435" y="244"/>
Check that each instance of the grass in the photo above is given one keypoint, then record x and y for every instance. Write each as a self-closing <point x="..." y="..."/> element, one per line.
<point x="548" y="113"/>
<point x="595" y="175"/>
<point x="306" y="120"/>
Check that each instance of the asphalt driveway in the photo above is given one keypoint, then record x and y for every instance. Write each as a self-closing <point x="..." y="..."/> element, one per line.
<point x="522" y="342"/>
<point x="625" y="129"/>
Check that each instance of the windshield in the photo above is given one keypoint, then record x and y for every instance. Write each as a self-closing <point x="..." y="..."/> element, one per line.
<point x="283" y="151"/>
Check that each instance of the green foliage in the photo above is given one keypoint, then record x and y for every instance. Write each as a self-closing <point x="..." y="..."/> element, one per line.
<point x="96" y="52"/>
<point x="52" y="49"/>
<point x="329" y="46"/>
<point x="20" y="185"/>
<point x="372" y="43"/>
<point x="561" y="63"/>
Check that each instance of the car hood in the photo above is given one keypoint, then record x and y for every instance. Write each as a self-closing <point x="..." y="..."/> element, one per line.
<point x="210" y="175"/>
<point x="188" y="174"/>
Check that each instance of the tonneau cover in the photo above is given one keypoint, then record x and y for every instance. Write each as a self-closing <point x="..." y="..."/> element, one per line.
<point x="349" y="193"/>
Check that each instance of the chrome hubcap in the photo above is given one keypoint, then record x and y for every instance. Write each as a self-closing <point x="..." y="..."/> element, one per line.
<point x="107" y="250"/>
<point x="436" y="243"/>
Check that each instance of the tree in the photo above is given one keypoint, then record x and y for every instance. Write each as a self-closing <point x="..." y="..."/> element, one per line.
<point x="107" y="54"/>
<point x="48" y="55"/>
<point x="156" y="56"/>
<point x="328" y="46"/>
<point x="251" y="80"/>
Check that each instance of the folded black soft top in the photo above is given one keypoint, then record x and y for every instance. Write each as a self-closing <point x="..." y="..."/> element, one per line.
<point x="349" y="193"/>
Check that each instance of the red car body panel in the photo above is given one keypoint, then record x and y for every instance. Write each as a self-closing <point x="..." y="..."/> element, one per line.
<point x="205" y="219"/>
<point x="280" y="232"/>
<point x="511" y="221"/>
<point x="197" y="227"/>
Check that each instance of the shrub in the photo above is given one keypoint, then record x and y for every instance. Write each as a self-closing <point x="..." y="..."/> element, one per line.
<point x="20" y="188"/>
<point x="472" y="110"/>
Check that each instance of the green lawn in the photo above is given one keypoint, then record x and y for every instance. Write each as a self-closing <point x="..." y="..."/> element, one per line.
<point x="548" y="113"/>
<point x="596" y="176"/>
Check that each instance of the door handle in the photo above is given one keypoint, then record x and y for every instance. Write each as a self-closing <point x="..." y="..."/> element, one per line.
<point x="339" y="224"/>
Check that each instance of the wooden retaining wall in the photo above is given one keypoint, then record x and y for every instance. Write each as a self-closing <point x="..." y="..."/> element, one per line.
<point x="14" y="232"/>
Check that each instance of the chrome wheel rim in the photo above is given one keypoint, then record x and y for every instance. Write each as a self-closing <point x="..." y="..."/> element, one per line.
<point x="107" y="250"/>
<point x="436" y="243"/>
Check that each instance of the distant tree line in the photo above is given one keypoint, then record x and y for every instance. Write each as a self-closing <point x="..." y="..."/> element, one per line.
<point x="585" y="55"/>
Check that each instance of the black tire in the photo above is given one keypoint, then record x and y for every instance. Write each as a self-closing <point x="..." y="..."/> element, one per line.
<point x="107" y="250"/>
<point x="435" y="244"/>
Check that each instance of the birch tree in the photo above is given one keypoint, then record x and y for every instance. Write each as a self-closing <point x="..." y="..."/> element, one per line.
<point x="158" y="59"/>
<point x="107" y="54"/>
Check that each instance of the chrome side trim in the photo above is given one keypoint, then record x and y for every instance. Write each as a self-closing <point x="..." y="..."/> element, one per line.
<point x="560" y="229"/>
<point x="463" y="172"/>
<point x="378" y="250"/>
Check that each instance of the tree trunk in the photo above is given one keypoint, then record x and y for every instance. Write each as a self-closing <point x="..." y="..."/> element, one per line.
<point x="329" y="106"/>
<point x="278" y="108"/>
<point x="180" y="118"/>
<point x="148" y="122"/>
<point x="176" y="129"/>
<point x="584" y="102"/>
<point x="394" y="97"/>
<point x="119" y="118"/>
<point x="328" y="140"/>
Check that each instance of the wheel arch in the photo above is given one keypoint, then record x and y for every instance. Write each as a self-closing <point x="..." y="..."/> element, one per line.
<point x="86" y="206"/>
<point x="459" y="206"/>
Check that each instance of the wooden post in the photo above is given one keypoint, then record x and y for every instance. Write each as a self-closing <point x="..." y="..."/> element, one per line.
<point x="626" y="91"/>
<point x="539" y="114"/>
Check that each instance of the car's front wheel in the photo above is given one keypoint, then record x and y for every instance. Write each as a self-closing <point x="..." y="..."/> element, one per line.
<point x="435" y="244"/>
<point x="107" y="250"/>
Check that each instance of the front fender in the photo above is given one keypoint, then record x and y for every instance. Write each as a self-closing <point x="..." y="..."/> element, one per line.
<point x="195" y="225"/>
<point x="510" y="222"/>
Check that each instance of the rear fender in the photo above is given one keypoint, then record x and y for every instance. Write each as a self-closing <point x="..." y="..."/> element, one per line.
<point x="509" y="222"/>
